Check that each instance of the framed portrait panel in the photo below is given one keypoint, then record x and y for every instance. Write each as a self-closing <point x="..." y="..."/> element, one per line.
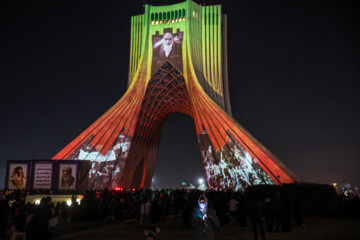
<point x="67" y="176"/>
<point x="17" y="175"/>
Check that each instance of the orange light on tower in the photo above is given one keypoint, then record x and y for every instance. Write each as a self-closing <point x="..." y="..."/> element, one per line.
<point x="180" y="66"/>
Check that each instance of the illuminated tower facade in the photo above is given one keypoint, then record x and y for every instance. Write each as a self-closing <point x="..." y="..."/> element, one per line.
<point x="178" y="63"/>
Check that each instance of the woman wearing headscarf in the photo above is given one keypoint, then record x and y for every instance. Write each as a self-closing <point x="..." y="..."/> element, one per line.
<point x="203" y="220"/>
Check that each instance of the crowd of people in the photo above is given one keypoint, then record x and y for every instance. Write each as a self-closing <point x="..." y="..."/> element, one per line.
<point x="200" y="211"/>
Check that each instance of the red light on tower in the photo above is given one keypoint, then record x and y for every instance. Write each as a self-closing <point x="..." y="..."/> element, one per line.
<point x="200" y="91"/>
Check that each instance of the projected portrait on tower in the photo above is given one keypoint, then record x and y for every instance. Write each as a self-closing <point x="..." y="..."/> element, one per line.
<point x="167" y="47"/>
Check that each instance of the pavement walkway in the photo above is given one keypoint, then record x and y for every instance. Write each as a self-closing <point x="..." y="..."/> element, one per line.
<point x="316" y="229"/>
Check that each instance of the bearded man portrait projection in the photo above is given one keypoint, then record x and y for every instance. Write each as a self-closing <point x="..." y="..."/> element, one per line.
<point x="167" y="47"/>
<point x="67" y="180"/>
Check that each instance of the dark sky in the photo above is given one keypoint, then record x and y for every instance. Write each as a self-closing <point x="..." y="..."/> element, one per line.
<point x="294" y="68"/>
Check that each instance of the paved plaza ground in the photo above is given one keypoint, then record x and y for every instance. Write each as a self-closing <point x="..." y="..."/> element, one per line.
<point x="316" y="229"/>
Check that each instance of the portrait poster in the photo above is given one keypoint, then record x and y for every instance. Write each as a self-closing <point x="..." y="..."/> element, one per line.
<point x="17" y="175"/>
<point x="67" y="176"/>
<point x="167" y="46"/>
<point x="42" y="175"/>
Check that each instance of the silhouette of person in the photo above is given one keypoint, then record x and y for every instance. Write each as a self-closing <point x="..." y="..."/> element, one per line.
<point x="167" y="49"/>
<point x="4" y="215"/>
<point x="276" y="210"/>
<point x="256" y="210"/>
<point x="203" y="220"/>
<point x="67" y="180"/>
<point x="17" y="177"/>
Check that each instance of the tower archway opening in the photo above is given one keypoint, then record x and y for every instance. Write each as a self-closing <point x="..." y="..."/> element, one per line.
<point x="179" y="158"/>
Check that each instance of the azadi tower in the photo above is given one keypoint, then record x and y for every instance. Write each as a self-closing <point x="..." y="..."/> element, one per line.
<point x="178" y="63"/>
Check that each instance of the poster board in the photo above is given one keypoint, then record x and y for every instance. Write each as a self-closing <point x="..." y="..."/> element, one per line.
<point x="17" y="175"/>
<point x="47" y="174"/>
<point x="67" y="176"/>
<point x="42" y="175"/>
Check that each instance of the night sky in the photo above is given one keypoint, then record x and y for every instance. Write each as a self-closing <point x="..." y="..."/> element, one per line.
<point x="294" y="68"/>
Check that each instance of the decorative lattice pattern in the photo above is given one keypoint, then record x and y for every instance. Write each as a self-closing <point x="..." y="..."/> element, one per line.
<point x="166" y="93"/>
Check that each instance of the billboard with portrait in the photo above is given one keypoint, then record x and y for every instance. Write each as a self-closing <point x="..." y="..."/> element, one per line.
<point x="42" y="175"/>
<point x="167" y="47"/>
<point x="17" y="176"/>
<point x="67" y="176"/>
